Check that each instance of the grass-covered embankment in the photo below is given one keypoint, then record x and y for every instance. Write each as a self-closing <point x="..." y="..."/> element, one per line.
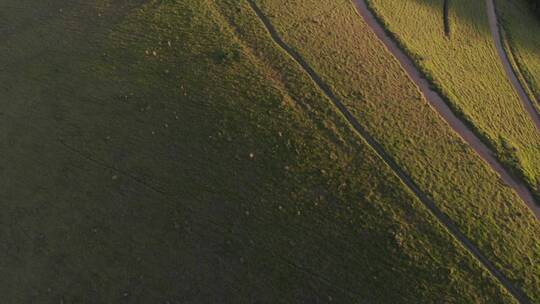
<point x="335" y="41"/>
<point x="155" y="152"/>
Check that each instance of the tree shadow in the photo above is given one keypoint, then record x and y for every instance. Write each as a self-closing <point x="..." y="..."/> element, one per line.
<point x="517" y="15"/>
<point x="457" y="12"/>
<point x="446" y="8"/>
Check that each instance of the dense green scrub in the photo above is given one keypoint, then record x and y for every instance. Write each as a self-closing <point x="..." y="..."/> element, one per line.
<point x="466" y="69"/>
<point x="342" y="49"/>
<point x="522" y="33"/>
<point x="167" y="152"/>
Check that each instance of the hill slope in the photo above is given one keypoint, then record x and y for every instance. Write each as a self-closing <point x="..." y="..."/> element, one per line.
<point x="465" y="67"/>
<point x="170" y="151"/>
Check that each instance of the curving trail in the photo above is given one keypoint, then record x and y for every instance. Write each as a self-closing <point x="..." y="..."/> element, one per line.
<point x="445" y="112"/>
<point x="510" y="73"/>
<point x="402" y="175"/>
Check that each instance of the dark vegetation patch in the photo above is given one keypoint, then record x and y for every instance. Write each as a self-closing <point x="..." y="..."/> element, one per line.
<point x="535" y="5"/>
<point x="222" y="56"/>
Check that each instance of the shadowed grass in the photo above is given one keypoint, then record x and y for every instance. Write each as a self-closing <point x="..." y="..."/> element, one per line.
<point x="522" y="27"/>
<point x="468" y="72"/>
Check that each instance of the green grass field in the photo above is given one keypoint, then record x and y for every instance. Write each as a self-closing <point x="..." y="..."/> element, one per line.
<point x="522" y="32"/>
<point x="170" y="152"/>
<point x="392" y="109"/>
<point x="466" y="69"/>
<point x="154" y="155"/>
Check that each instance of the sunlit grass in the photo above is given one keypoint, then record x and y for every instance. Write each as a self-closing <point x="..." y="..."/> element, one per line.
<point x="468" y="72"/>
<point x="343" y="50"/>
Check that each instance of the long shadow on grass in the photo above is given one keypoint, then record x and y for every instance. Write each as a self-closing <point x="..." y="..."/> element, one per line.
<point x="446" y="9"/>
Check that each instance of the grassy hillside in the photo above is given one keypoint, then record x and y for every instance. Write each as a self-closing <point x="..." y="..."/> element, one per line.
<point x="522" y="28"/>
<point x="168" y="152"/>
<point x="466" y="69"/>
<point x="343" y="50"/>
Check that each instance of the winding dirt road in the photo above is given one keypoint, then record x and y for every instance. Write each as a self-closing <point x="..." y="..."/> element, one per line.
<point x="444" y="110"/>
<point x="511" y="74"/>
<point x="402" y="175"/>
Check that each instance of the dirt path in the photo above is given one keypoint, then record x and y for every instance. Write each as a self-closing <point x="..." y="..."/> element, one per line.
<point x="442" y="108"/>
<point x="351" y="119"/>
<point x="497" y="38"/>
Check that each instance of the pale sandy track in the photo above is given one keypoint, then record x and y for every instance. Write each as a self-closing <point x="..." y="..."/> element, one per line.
<point x="497" y="38"/>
